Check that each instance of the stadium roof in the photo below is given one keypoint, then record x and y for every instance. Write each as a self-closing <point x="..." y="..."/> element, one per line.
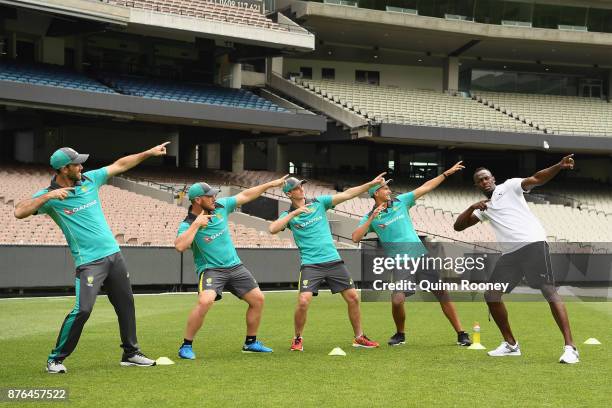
<point x="436" y="37"/>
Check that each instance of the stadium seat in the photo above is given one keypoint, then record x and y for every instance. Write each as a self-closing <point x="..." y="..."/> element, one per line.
<point x="414" y="106"/>
<point x="130" y="225"/>
<point x="192" y="93"/>
<point x="204" y="9"/>
<point x="49" y="75"/>
<point x="553" y="114"/>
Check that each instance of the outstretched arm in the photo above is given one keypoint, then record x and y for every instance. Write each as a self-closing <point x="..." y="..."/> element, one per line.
<point x="28" y="207"/>
<point x="355" y="191"/>
<point x="125" y="163"/>
<point x="544" y="176"/>
<point x="436" y="181"/>
<point x="467" y="218"/>
<point x="252" y="193"/>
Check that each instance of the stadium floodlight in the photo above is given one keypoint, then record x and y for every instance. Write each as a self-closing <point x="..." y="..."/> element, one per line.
<point x="545" y="145"/>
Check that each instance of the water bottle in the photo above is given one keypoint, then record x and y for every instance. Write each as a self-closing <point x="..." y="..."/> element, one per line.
<point x="476" y="333"/>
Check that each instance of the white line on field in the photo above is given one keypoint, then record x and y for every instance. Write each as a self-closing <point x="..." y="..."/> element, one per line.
<point x="150" y="294"/>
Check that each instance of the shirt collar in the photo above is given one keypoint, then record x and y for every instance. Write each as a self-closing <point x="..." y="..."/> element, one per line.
<point x="389" y="205"/>
<point x="190" y="218"/>
<point x="54" y="186"/>
<point x="306" y="202"/>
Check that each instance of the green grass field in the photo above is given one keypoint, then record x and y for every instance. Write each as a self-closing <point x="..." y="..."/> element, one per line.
<point x="429" y="371"/>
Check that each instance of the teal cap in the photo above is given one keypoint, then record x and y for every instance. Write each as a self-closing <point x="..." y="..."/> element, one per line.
<point x="292" y="183"/>
<point x="375" y="187"/>
<point x="201" y="189"/>
<point x="65" y="156"/>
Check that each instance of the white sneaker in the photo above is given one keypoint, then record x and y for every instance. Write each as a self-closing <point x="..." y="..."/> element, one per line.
<point x="56" y="367"/>
<point x="569" y="356"/>
<point x="506" y="349"/>
<point x="137" y="359"/>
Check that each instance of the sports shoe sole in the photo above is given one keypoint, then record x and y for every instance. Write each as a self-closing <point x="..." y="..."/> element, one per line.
<point x="256" y="352"/>
<point x="300" y="349"/>
<point x="464" y="344"/>
<point x="362" y="346"/>
<point x="505" y="355"/>
<point x="186" y="358"/>
<point x="569" y="362"/>
<point x="397" y="344"/>
<point x="129" y="364"/>
<point x="56" y="372"/>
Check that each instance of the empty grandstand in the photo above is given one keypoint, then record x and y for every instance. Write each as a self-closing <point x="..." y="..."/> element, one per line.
<point x="555" y="114"/>
<point x="414" y="107"/>
<point x="244" y="96"/>
<point x="206" y="10"/>
<point x="193" y="93"/>
<point x="135" y="219"/>
<point x="49" y="75"/>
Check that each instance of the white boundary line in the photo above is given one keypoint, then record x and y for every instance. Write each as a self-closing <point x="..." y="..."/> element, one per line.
<point x="151" y="294"/>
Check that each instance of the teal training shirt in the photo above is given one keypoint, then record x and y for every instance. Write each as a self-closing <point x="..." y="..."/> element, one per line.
<point x="312" y="234"/>
<point x="212" y="246"/>
<point x="81" y="219"/>
<point x="394" y="227"/>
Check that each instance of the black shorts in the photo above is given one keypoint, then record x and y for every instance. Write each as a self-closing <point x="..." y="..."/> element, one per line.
<point x="334" y="273"/>
<point x="531" y="262"/>
<point x="237" y="279"/>
<point x="429" y="275"/>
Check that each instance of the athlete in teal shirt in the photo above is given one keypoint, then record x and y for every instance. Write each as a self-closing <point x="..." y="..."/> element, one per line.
<point x="391" y="221"/>
<point x="72" y="201"/>
<point x="311" y="232"/>
<point x="205" y="230"/>
<point x="212" y="246"/>
<point x="81" y="219"/>
<point x="320" y="261"/>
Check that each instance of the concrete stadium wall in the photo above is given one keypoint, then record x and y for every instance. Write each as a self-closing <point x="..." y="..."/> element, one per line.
<point x="404" y="76"/>
<point x="29" y="266"/>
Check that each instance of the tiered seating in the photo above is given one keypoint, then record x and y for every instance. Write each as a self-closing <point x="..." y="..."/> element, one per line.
<point x="49" y="75"/>
<point x="131" y="226"/>
<point x="557" y="114"/>
<point x="427" y="218"/>
<point x="436" y="212"/>
<point x="212" y="95"/>
<point x="203" y="9"/>
<point x="413" y="106"/>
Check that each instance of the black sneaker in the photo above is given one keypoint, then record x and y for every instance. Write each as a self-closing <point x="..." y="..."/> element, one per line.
<point x="136" y="359"/>
<point x="463" y="339"/>
<point x="397" y="339"/>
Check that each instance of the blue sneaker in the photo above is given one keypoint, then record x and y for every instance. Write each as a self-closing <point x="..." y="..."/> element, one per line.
<point x="256" y="347"/>
<point x="186" y="352"/>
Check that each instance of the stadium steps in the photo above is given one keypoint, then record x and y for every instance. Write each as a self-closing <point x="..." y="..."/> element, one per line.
<point x="414" y="107"/>
<point x="359" y="126"/>
<point x="307" y="108"/>
<point x="554" y="114"/>
<point x="514" y="115"/>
